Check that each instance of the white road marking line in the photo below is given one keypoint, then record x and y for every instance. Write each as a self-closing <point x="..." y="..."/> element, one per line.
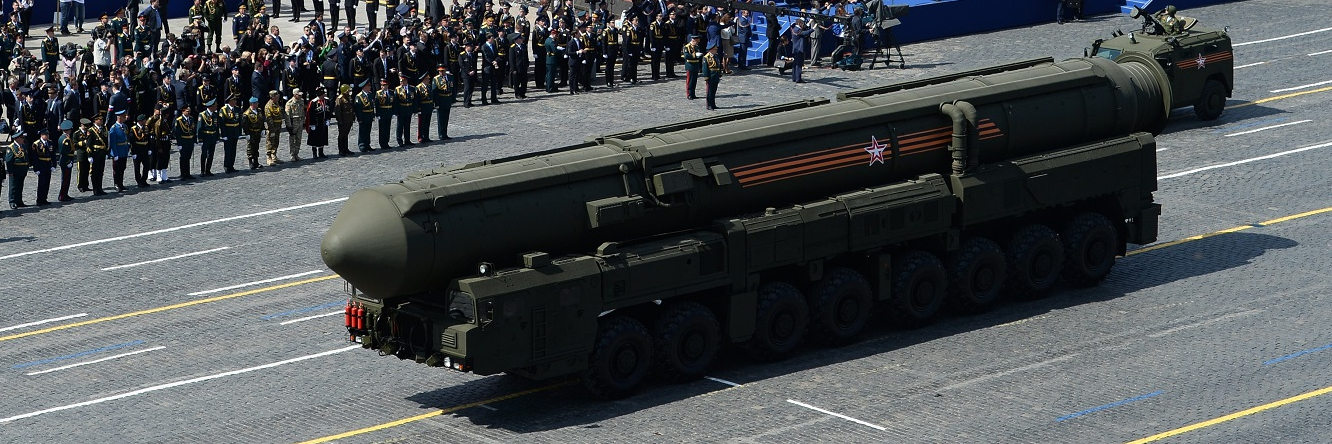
<point x="176" y="384"/>
<point x="839" y="415"/>
<point x="43" y="321"/>
<point x="108" y="358"/>
<point x="1241" y="162"/>
<point x="1007" y="372"/>
<point x="723" y="381"/>
<point x="1311" y="85"/>
<point x="487" y="407"/>
<point x="293" y="321"/>
<point x="1202" y="323"/>
<point x="1241" y="133"/>
<point x="1251" y="64"/>
<point x="168" y="230"/>
<point x="1320" y="53"/>
<point x="1283" y="37"/>
<point x="165" y="259"/>
<point x="247" y="284"/>
<point x="1161" y="149"/>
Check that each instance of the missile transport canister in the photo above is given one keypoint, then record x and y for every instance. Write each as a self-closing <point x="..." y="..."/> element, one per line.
<point x="646" y="251"/>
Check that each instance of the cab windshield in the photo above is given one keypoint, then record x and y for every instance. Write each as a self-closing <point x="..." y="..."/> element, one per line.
<point x="1108" y="53"/>
<point x="461" y="306"/>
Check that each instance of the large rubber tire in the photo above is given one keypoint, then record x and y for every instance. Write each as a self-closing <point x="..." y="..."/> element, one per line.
<point x="839" y="306"/>
<point x="1035" y="259"/>
<point x="919" y="287"/>
<point x="780" y="322"/>
<point x="1212" y="102"/>
<point x="687" y="337"/>
<point x="620" y="359"/>
<point x="976" y="272"/>
<point x="1090" y="246"/>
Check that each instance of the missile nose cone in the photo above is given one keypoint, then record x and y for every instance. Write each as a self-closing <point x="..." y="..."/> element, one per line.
<point x="375" y="249"/>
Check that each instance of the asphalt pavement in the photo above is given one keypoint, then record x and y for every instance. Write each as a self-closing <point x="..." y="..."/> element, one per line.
<point x="200" y="311"/>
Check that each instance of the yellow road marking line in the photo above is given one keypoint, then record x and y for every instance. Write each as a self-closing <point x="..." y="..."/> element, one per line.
<point x="165" y="308"/>
<point x="1283" y="96"/>
<point x="433" y="414"/>
<point x="1230" y="230"/>
<point x="1239" y="414"/>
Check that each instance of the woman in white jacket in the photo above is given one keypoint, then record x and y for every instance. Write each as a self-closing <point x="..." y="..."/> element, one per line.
<point x="102" y="53"/>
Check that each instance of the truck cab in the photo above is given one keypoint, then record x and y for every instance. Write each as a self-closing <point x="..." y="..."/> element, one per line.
<point x="1197" y="60"/>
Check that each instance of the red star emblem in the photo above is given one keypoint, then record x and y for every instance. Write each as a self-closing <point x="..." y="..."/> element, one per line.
<point x="875" y="151"/>
<point x="1202" y="61"/>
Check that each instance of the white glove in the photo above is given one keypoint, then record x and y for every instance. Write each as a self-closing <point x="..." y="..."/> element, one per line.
<point x="53" y="169"/>
<point x="328" y="123"/>
<point x="312" y="127"/>
<point x="134" y="156"/>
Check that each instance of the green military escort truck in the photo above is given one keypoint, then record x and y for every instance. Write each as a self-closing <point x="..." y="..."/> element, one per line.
<point x="646" y="252"/>
<point x="1197" y="60"/>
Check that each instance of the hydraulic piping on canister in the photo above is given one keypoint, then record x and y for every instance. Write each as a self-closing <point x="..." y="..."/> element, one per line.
<point x="963" y="149"/>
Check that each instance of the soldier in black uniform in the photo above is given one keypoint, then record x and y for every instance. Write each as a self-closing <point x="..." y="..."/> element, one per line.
<point x="610" y="50"/>
<point x="95" y="142"/>
<point x="467" y="68"/>
<point x="42" y="157"/>
<point x="443" y="87"/>
<point x="385" y="100"/>
<point x="518" y="66"/>
<point x="186" y="131"/>
<point x="539" y="34"/>
<point x="365" y="115"/>
<point x="209" y="130"/>
<point x="231" y="132"/>
<point x="140" y="143"/>
<point x="66" y="156"/>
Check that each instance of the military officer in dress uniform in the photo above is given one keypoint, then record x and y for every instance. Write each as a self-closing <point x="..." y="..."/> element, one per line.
<point x="385" y="100"/>
<point x="712" y="72"/>
<point x="253" y="124"/>
<point x="209" y="130"/>
<point x="443" y="97"/>
<point x="366" y="108"/>
<point x="425" y="106"/>
<point x="404" y="106"/>
<point x="186" y="132"/>
<point x="231" y="117"/>
<point x="16" y="166"/>
<point x="693" y="58"/>
<point x="42" y="157"/>
<point x="140" y="145"/>
<point x="95" y="142"/>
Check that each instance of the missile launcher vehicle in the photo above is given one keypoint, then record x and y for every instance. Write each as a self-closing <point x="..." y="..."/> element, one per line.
<point x="646" y="252"/>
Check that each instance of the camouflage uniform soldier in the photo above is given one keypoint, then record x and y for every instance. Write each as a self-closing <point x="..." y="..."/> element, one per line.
<point x="276" y="117"/>
<point x="253" y="123"/>
<point x="295" y="121"/>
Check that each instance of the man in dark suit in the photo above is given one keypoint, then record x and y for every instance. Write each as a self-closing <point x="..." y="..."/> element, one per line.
<point x="799" y="48"/>
<point x="489" y="68"/>
<point x="518" y="66"/>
